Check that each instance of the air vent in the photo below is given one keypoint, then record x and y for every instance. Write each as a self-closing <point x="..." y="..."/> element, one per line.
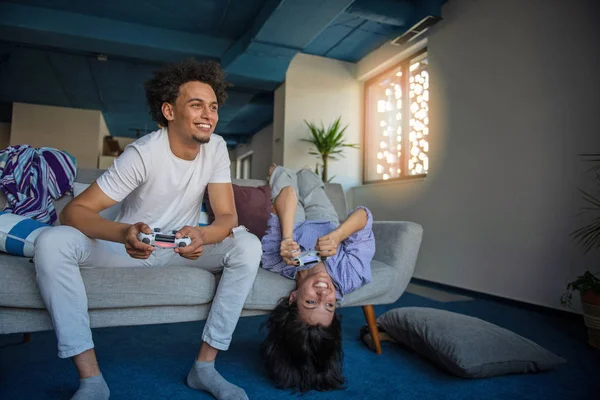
<point x="416" y="30"/>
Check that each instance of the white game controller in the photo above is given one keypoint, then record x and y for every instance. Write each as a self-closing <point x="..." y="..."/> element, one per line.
<point x="163" y="240"/>
<point x="308" y="257"/>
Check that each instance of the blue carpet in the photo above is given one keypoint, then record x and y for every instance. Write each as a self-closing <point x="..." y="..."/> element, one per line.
<point x="151" y="362"/>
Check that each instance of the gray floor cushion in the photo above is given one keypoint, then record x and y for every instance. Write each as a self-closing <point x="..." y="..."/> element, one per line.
<point x="465" y="346"/>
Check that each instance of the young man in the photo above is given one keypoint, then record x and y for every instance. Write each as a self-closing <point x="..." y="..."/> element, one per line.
<point x="160" y="180"/>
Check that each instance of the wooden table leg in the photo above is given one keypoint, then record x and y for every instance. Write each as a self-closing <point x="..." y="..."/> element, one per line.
<point x="369" y="312"/>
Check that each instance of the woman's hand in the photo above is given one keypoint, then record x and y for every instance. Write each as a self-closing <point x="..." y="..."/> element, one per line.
<point x="327" y="245"/>
<point x="288" y="250"/>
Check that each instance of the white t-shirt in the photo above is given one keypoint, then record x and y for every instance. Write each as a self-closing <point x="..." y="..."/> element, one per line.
<point x="160" y="189"/>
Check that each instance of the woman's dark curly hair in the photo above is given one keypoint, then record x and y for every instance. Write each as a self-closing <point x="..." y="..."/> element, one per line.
<point x="300" y="356"/>
<point x="164" y="86"/>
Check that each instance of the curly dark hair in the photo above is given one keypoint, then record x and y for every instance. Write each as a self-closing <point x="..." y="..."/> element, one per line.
<point x="299" y="356"/>
<point x="164" y="86"/>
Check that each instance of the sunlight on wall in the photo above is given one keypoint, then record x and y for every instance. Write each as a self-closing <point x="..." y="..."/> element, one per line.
<point x="419" y="122"/>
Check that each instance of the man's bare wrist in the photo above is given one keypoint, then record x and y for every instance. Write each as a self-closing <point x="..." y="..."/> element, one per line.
<point x="202" y="232"/>
<point x="124" y="231"/>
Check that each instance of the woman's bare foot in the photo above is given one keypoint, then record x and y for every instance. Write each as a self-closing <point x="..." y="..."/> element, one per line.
<point x="271" y="169"/>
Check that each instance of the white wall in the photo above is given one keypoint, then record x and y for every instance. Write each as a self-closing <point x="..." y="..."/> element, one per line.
<point x="261" y="146"/>
<point x="73" y="130"/>
<point x="385" y="57"/>
<point x="104" y="162"/>
<point x="321" y="89"/>
<point x="4" y="135"/>
<point x="232" y="160"/>
<point x="513" y="101"/>
<point x="279" y="125"/>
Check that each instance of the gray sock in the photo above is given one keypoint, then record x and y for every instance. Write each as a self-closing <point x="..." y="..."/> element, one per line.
<point x="204" y="376"/>
<point x="92" y="388"/>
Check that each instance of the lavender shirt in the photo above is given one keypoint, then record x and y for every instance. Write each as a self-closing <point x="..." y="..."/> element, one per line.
<point x="349" y="269"/>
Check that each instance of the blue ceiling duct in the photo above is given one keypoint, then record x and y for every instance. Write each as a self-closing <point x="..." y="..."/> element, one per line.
<point x="282" y="29"/>
<point x="390" y="12"/>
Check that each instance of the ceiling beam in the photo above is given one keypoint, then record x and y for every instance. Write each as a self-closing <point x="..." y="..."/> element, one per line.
<point x="87" y="35"/>
<point x="282" y="29"/>
<point x="78" y="32"/>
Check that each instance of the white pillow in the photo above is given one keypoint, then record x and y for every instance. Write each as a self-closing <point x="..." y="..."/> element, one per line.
<point x="18" y="234"/>
<point x="110" y="213"/>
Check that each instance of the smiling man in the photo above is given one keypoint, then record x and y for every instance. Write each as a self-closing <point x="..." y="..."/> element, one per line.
<point x="303" y="348"/>
<point x="160" y="180"/>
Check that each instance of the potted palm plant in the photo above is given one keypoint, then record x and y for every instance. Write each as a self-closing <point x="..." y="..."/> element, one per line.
<point x="329" y="143"/>
<point x="588" y="284"/>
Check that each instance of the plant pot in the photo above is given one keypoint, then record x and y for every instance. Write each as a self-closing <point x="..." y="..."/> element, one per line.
<point x="591" y="315"/>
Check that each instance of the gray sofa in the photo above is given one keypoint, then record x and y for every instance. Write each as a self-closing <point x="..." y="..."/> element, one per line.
<point x="138" y="296"/>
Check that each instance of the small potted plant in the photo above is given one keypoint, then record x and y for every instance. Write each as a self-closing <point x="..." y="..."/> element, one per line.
<point x="588" y="284"/>
<point x="329" y="144"/>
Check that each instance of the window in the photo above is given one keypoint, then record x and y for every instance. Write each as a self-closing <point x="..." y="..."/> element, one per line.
<point x="397" y="122"/>
<point x="243" y="166"/>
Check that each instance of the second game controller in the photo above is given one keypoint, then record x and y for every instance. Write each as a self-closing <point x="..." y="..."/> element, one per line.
<point x="308" y="257"/>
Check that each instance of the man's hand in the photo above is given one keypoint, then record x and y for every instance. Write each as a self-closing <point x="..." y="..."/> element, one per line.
<point x="289" y="249"/>
<point x="195" y="249"/>
<point x="327" y="245"/>
<point x="133" y="246"/>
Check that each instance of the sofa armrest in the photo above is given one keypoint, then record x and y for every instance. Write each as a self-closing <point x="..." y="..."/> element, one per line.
<point x="397" y="245"/>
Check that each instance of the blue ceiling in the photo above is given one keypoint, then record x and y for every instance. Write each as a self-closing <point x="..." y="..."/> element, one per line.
<point x="49" y="49"/>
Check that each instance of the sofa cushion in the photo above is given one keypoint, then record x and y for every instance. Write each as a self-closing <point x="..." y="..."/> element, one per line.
<point x="385" y="280"/>
<point x="253" y="205"/>
<point x="111" y="287"/>
<point x="270" y="287"/>
<point x="334" y="191"/>
<point x="59" y="205"/>
<point x="84" y="176"/>
<point x="18" y="234"/>
<point x="88" y="175"/>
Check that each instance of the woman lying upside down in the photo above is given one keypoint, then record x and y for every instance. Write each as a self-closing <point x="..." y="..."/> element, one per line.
<point x="303" y="348"/>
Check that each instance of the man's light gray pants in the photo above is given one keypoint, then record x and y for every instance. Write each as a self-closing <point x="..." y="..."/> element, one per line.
<point x="62" y="250"/>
